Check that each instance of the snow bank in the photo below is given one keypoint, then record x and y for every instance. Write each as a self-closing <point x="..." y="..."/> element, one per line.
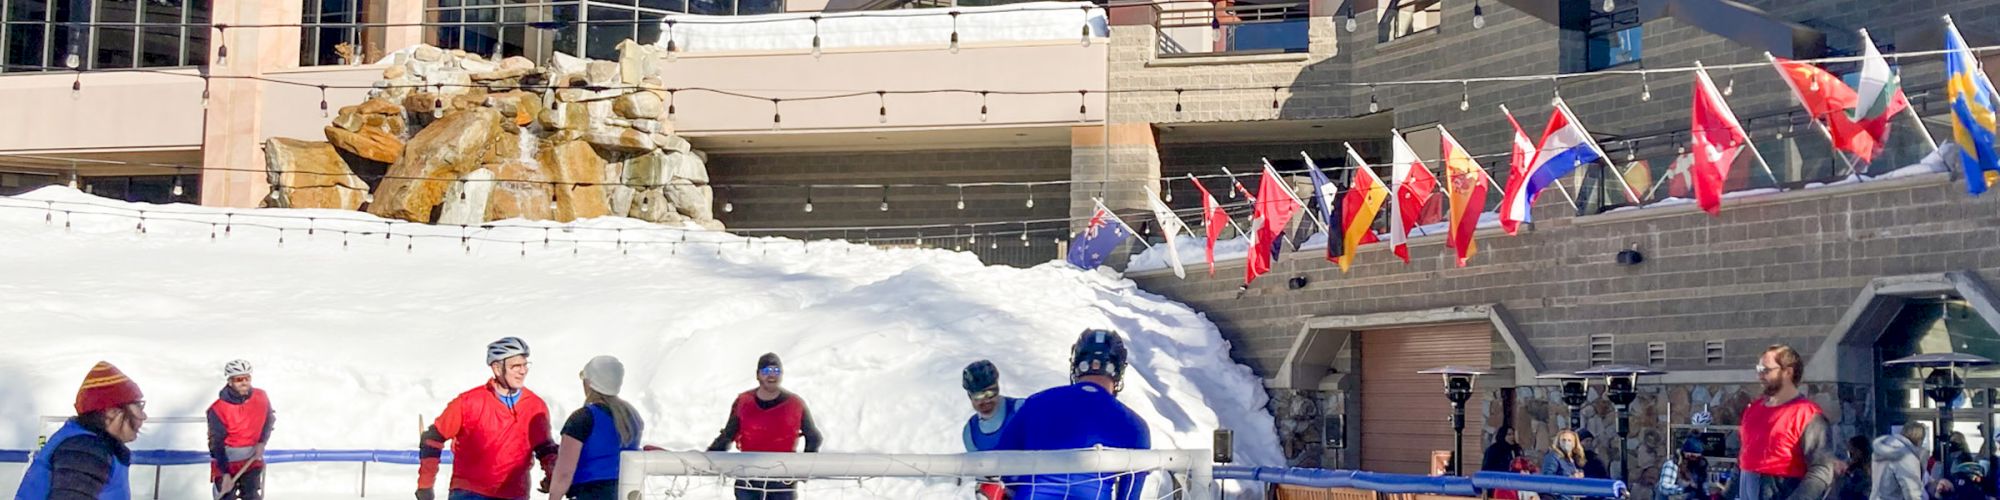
<point x="359" y="337"/>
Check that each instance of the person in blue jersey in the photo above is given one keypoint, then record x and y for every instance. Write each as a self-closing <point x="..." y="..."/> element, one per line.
<point x="990" y="411"/>
<point x="1084" y="414"/>
<point x="592" y="438"/>
<point x="88" y="459"/>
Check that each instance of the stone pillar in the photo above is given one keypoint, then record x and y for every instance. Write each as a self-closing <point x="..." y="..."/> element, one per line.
<point x="232" y="158"/>
<point x="405" y="12"/>
<point x="1116" y="163"/>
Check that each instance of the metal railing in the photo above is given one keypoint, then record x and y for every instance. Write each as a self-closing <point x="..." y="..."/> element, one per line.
<point x="1233" y="29"/>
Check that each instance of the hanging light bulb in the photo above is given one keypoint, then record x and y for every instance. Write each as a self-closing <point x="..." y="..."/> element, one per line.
<point x="1373" y="106"/>
<point x="1609" y="5"/>
<point x="1631" y="152"/>
<point x="882" y="113"/>
<point x="777" y="119"/>
<point x="670" y="104"/>
<point x="816" y="45"/>
<point x="1645" y="88"/>
<point x="204" y="92"/>
<point x="1031" y="196"/>
<point x="954" y="32"/>
<point x="982" y="106"/>
<point x="673" y="46"/>
<point x="1729" y="88"/>
<point x="1465" y="96"/>
<point x="961" y="197"/>
<point x="1083" y="104"/>
<point x="322" y="101"/>
<point x="1478" y="15"/>
<point x="72" y="61"/>
<point x="1350" y="24"/>
<point x="1086" y="25"/>
<point x="809" y="199"/>
<point x="728" y="207"/>
<point x="1177" y="100"/>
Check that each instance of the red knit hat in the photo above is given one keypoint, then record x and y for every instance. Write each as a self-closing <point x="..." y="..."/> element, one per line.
<point x="104" y="388"/>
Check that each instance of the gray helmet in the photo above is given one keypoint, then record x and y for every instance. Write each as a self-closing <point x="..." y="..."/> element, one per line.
<point x="505" y="348"/>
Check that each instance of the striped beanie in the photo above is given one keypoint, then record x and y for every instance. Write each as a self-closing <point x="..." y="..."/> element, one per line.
<point x="104" y="388"/>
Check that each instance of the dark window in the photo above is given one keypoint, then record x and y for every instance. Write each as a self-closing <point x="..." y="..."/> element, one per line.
<point x="1614" y="38"/>
<point x="1408" y="17"/>
<point x="134" y="34"/>
<point x="590" y="28"/>
<point x="332" y="37"/>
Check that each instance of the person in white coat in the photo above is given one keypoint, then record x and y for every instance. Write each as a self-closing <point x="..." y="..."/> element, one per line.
<point x="1898" y="464"/>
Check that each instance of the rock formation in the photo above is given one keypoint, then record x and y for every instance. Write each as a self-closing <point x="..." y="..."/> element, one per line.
<point x="467" y="140"/>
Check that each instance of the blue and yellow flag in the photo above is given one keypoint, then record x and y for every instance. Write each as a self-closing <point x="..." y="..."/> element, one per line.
<point x="1973" y="125"/>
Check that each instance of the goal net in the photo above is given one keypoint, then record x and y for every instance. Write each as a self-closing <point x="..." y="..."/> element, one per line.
<point x="1155" y="474"/>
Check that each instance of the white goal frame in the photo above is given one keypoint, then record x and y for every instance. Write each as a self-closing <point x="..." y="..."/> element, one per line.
<point x="636" y="466"/>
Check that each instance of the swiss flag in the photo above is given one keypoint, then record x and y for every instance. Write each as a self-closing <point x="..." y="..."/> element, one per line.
<point x="1717" y="138"/>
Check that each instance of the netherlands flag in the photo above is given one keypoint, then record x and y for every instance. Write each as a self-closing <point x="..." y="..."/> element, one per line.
<point x="1565" y="146"/>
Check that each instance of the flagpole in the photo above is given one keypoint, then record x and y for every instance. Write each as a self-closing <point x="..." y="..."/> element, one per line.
<point x="1559" y="185"/>
<point x="1323" y="211"/>
<point x="1225" y="213"/>
<point x="1121" y="221"/>
<point x="1288" y="192"/>
<point x="1170" y="210"/>
<point x="1238" y="185"/>
<point x="1592" y="141"/>
<point x="1817" y="125"/>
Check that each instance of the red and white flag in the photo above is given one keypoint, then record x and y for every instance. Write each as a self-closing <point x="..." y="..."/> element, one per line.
<point x="1717" y="139"/>
<point x="1212" y="220"/>
<point x="1517" y="173"/>
<point x="1413" y="185"/>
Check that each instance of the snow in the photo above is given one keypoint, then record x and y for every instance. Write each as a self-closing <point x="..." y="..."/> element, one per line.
<point x="358" y="338"/>
<point x="1022" y="22"/>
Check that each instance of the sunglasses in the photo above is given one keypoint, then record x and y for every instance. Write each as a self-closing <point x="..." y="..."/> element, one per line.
<point x="984" y="395"/>
<point x="239" y="378"/>
<point x="770" y="371"/>
<point x="1761" y="369"/>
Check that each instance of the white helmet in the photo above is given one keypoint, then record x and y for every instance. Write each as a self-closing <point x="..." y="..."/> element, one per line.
<point x="235" y="368"/>
<point x="505" y="348"/>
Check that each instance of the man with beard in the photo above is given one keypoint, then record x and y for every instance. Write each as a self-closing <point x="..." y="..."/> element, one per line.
<point x="1787" y="449"/>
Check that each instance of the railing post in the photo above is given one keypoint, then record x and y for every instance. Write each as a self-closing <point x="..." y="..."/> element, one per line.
<point x="156" y="482"/>
<point x="364" y="479"/>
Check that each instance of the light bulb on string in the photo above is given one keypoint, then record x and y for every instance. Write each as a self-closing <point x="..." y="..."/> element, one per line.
<point x="673" y="46"/>
<point x="954" y="32"/>
<point x="1373" y="106"/>
<point x="1031" y="196"/>
<point x="1167" y="189"/>
<point x="322" y="101"/>
<point x="222" y="45"/>
<point x="1478" y="15"/>
<point x="816" y="43"/>
<point x="76" y="86"/>
<point x="1274" y="98"/>
<point x="777" y="119"/>
<point x="1086" y="25"/>
<point x="1083" y="104"/>
<point x="885" y="198"/>
<point x="1465" y="96"/>
<point x="1729" y="88"/>
<point x="1645" y="87"/>
<point x="809" y="199"/>
<point x="961" y="197"/>
<point x="729" y="204"/>
<point x="972" y="235"/>
<point x="1177" y="100"/>
<point x="982" y="106"/>
<point x="670" y="104"/>
<point x="882" y="100"/>
<point x="1350" y="24"/>
<point x="1609" y="5"/>
<point x="204" y="91"/>
<point x="1631" y="151"/>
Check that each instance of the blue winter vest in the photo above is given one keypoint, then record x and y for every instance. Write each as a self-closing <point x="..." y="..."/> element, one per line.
<point x="981" y="441"/>
<point x="36" y="486"/>
<point x="599" y="459"/>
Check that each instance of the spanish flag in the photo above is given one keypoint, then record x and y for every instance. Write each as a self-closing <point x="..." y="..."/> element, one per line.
<point x="1466" y="183"/>
<point x="1358" y="208"/>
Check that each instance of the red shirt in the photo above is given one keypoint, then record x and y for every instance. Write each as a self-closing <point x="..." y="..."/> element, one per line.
<point x="776" y="429"/>
<point x="1770" y="437"/>
<point x="492" y="446"/>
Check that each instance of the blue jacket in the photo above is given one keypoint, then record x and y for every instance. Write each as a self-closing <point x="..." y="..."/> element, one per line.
<point x="1076" y="416"/>
<point x="598" y="461"/>
<point x="78" y="462"/>
<point x="977" y="440"/>
<point x="1554" y="464"/>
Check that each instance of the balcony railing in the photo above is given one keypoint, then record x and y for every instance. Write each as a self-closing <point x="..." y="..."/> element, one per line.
<point x="1232" y="29"/>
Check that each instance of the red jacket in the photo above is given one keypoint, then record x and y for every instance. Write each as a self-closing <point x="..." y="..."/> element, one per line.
<point x="1771" y="437"/>
<point x="776" y="429"/>
<point x="236" y="425"/>
<point x="491" y="445"/>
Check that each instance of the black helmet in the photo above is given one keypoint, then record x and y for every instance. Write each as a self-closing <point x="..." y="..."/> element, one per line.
<point x="980" y="375"/>
<point x="1098" y="352"/>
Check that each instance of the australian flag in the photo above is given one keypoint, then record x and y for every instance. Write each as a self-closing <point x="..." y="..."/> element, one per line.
<point x="1088" y="248"/>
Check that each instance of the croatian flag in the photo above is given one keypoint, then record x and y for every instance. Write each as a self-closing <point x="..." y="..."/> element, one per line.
<point x="1565" y="146"/>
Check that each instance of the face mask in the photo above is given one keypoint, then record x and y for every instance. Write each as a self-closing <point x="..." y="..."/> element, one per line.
<point x="1565" y="444"/>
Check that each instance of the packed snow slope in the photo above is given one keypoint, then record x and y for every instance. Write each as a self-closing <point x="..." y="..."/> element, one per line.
<point x="359" y="336"/>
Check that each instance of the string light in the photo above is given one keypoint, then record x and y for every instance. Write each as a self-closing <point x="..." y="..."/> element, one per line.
<point x="1274" y="98"/>
<point x="76" y="86"/>
<point x="1177" y="101"/>
<point x="882" y="100"/>
<point x="1478" y="15"/>
<point x="673" y="46"/>
<point x="728" y="204"/>
<point x="776" y="119"/>
<point x="961" y="197"/>
<point x="982" y="106"/>
<point x="204" y="89"/>
<point x="885" y="198"/>
<point x="1465" y="96"/>
<point x="1082" y="104"/>
<point x="1031" y="196"/>
<point x="1729" y="88"/>
<point x="1373" y="106"/>
<point x="954" y="32"/>
<point x="816" y="46"/>
<point x="222" y="45"/>
<point x="178" y="192"/>
<point x="1350" y="24"/>
<point x="809" y="199"/>
<point x="670" y="104"/>
<point x="1609" y="6"/>
<point x="1086" y="25"/>
<point x="1556" y="83"/>
<point x="322" y="102"/>
<point x="1645" y="87"/>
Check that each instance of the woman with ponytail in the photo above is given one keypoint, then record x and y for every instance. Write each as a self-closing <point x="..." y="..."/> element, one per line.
<point x="592" y="438"/>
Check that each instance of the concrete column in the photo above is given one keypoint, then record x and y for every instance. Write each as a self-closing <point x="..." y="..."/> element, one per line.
<point x="232" y="154"/>
<point x="407" y="12"/>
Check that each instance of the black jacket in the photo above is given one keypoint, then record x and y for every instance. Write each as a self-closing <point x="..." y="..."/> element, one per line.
<point x="80" y="466"/>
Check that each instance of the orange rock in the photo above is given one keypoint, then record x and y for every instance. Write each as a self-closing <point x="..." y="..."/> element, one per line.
<point x="309" y="174"/>
<point x="447" y="149"/>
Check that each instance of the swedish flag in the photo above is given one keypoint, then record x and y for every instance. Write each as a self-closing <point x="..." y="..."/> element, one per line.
<point x="1972" y="101"/>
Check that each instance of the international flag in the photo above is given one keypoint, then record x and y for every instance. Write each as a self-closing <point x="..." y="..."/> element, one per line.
<point x="1879" y="95"/>
<point x="1511" y="213"/>
<point x="1088" y="247"/>
<point x="1413" y="185"/>
<point x="1326" y="200"/>
<point x="1171" y="226"/>
<point x="1270" y="213"/>
<point x="1973" y="103"/>
<point x="1565" y="146"/>
<point x="1717" y="138"/>
<point x="1212" y="220"/>
<point x="1358" y="207"/>
<point x="1829" y="101"/>
<point x="1466" y="182"/>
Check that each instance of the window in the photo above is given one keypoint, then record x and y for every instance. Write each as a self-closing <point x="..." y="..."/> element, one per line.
<point x="590" y="29"/>
<point x="1408" y="17"/>
<point x="328" y="40"/>
<point x="153" y="34"/>
<point x="1614" y="38"/>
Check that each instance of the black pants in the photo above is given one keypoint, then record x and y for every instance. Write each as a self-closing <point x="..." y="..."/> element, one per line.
<point x="249" y="485"/>
<point x="765" y="490"/>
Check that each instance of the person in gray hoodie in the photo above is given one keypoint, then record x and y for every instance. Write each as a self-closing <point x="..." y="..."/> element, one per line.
<point x="1898" y="465"/>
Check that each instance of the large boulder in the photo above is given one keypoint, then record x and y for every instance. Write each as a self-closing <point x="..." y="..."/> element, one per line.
<point x="308" y="174"/>
<point x="523" y="192"/>
<point x="652" y="205"/>
<point x="465" y="200"/>
<point x="636" y="61"/>
<point x="639" y="105"/>
<point x="619" y="139"/>
<point x="579" y="176"/>
<point x="447" y="149"/>
<point x="520" y="106"/>
<point x="371" y="143"/>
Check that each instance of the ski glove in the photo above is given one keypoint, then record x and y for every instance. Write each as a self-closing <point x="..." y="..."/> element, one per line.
<point x="426" y="494"/>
